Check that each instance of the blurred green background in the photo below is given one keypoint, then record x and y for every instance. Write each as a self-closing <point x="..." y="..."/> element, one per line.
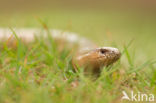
<point x="38" y="76"/>
<point x="107" y="23"/>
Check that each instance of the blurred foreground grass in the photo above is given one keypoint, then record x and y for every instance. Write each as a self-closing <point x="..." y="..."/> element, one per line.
<point x="36" y="72"/>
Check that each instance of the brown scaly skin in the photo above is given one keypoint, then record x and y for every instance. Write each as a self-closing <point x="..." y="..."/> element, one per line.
<point x="95" y="59"/>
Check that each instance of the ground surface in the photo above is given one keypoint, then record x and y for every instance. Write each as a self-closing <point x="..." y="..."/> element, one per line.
<point x="36" y="73"/>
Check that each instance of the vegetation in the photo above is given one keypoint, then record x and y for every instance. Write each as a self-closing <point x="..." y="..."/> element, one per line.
<point x="38" y="73"/>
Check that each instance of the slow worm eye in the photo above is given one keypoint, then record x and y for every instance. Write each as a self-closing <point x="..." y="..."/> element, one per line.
<point x="103" y="51"/>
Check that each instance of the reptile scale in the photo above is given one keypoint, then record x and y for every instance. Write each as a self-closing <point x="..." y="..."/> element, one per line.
<point x="87" y="55"/>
